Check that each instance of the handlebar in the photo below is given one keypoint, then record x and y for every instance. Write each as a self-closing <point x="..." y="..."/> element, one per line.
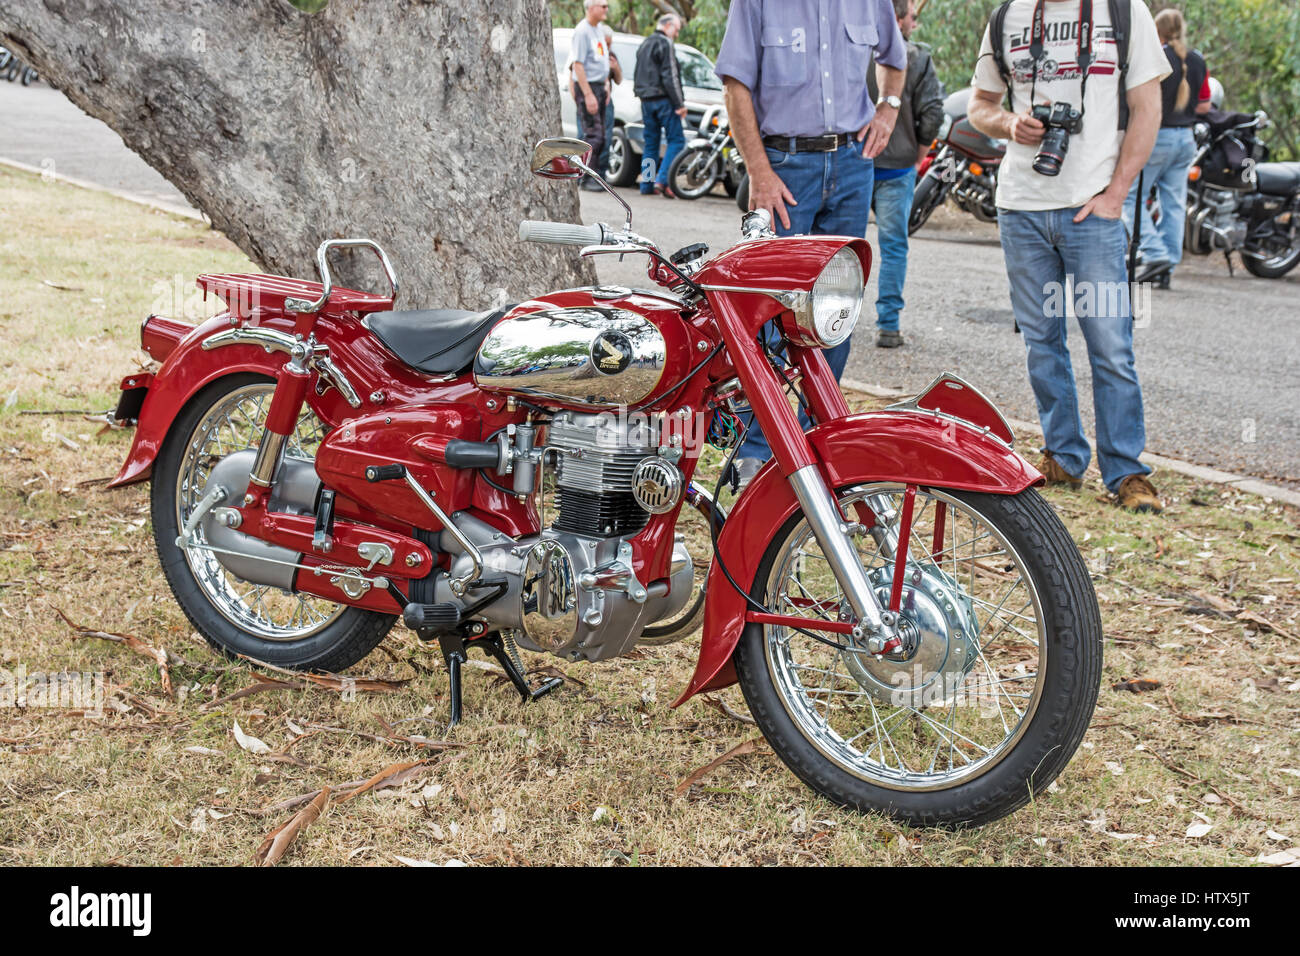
<point x="561" y="233"/>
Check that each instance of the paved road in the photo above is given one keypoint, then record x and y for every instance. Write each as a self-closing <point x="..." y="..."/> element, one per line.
<point x="1219" y="358"/>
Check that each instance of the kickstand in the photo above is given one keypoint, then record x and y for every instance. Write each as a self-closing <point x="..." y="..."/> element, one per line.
<point x="513" y="666"/>
<point x="453" y="652"/>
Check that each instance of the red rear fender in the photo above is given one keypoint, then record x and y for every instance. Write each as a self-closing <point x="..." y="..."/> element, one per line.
<point x="911" y="447"/>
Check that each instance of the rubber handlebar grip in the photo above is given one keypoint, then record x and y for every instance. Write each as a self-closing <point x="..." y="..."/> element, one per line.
<point x="561" y="233"/>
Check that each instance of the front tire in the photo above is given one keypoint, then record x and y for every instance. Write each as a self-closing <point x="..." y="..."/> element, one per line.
<point x="292" y="630"/>
<point x="926" y="199"/>
<point x="1004" y="635"/>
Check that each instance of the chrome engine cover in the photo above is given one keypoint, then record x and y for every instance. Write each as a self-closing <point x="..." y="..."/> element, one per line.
<point x="594" y="356"/>
<point x="567" y="594"/>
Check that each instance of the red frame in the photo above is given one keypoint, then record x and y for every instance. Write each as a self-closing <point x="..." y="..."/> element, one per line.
<point x="418" y="414"/>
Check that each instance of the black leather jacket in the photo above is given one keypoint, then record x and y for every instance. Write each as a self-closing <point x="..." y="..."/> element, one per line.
<point x="921" y="114"/>
<point x="657" y="75"/>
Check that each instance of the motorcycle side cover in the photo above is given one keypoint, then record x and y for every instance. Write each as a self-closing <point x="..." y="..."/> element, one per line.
<point x="893" y="445"/>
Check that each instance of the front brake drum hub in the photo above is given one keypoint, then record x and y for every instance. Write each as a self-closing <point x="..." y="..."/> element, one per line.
<point x="940" y="634"/>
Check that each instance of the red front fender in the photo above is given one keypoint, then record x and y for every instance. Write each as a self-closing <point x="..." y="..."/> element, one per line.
<point x="896" y="446"/>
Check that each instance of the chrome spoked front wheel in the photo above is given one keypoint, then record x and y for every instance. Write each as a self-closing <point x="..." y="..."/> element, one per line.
<point x="959" y="720"/>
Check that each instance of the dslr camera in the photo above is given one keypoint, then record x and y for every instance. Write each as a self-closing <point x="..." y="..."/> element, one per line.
<point x="1059" y="120"/>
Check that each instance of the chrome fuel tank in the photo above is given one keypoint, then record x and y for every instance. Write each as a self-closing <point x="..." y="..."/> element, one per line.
<point x="591" y="356"/>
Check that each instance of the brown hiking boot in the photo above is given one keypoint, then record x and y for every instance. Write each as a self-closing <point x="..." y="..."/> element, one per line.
<point x="1137" y="494"/>
<point x="1055" y="474"/>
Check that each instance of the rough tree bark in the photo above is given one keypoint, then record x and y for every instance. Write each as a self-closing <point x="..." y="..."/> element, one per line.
<point x="403" y="121"/>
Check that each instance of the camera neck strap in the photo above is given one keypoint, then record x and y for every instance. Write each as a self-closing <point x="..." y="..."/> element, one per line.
<point x="1038" y="46"/>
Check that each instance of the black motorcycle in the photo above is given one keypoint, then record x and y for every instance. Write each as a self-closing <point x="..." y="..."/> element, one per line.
<point x="1239" y="202"/>
<point x="962" y="163"/>
<point x="710" y="157"/>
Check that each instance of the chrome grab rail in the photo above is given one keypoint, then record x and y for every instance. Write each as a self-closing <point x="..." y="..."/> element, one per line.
<point x="327" y="280"/>
<point x="313" y="355"/>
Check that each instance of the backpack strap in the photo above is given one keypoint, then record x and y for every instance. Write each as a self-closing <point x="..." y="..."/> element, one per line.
<point x="996" y="23"/>
<point x="1121" y="20"/>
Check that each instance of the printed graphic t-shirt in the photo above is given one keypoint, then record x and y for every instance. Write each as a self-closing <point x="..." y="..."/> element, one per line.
<point x="1094" y="151"/>
<point x="590" y="48"/>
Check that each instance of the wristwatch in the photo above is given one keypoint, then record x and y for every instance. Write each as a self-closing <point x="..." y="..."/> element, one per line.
<point x="893" y="101"/>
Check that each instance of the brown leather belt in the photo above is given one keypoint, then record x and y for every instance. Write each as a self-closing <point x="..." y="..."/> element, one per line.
<point x="808" y="144"/>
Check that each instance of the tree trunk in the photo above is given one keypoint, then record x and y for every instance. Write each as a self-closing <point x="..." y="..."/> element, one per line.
<point x="407" y="122"/>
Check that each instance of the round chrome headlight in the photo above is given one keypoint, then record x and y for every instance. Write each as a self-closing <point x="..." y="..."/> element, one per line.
<point x="836" y="300"/>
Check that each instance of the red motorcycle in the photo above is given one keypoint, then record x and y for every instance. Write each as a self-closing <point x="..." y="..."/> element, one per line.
<point x="912" y="626"/>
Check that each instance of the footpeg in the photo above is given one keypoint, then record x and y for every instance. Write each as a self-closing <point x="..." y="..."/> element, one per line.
<point x="431" y="617"/>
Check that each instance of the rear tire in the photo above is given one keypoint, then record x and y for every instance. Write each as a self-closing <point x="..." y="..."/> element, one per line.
<point x="1003" y="763"/>
<point x="299" y="632"/>
<point x="688" y="177"/>
<point x="1274" y="268"/>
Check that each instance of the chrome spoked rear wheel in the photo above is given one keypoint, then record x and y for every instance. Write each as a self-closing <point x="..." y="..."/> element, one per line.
<point x="272" y="624"/>
<point x="234" y="423"/>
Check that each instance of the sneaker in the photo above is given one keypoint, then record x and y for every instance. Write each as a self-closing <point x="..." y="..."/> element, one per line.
<point x="1055" y="474"/>
<point x="1137" y="494"/>
<point x="746" y="469"/>
<point x="1152" y="271"/>
<point x="888" y="338"/>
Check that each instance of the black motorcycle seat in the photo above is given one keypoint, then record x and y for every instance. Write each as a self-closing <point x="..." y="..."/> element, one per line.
<point x="1278" y="179"/>
<point x="435" y="341"/>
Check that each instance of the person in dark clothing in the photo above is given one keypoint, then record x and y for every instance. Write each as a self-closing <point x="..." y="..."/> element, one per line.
<point x="1185" y="94"/>
<point x="919" y="119"/>
<point x="658" y="85"/>
<point x="590" y="52"/>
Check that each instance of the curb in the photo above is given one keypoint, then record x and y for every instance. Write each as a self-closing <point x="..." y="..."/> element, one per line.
<point x="184" y="211"/>
<point x="1245" y="483"/>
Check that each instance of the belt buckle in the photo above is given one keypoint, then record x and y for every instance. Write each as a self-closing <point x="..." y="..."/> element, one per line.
<point x="829" y="142"/>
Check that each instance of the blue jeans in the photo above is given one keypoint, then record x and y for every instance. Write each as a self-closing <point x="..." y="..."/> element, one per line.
<point x="657" y="113"/>
<point x="1042" y="249"/>
<point x="833" y="192"/>
<point x="609" y="134"/>
<point x="1166" y="170"/>
<point x="892" y="200"/>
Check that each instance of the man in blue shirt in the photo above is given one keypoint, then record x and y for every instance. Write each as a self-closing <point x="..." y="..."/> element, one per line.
<point x="795" y="74"/>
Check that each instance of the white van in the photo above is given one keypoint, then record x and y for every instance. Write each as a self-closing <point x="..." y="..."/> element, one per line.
<point x="700" y="84"/>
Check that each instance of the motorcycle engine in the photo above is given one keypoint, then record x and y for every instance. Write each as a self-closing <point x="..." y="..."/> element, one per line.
<point x="573" y="590"/>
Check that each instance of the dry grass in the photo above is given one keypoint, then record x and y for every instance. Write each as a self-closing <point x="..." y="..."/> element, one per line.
<point x="161" y="779"/>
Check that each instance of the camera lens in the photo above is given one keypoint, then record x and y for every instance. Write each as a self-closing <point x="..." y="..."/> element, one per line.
<point x="1051" y="152"/>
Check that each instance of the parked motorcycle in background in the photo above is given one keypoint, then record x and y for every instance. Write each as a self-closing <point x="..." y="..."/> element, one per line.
<point x="1239" y="202"/>
<point x="911" y="624"/>
<point x="709" y="158"/>
<point x="962" y="163"/>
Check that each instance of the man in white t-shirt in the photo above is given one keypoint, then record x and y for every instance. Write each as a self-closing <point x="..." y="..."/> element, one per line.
<point x="1069" y="225"/>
